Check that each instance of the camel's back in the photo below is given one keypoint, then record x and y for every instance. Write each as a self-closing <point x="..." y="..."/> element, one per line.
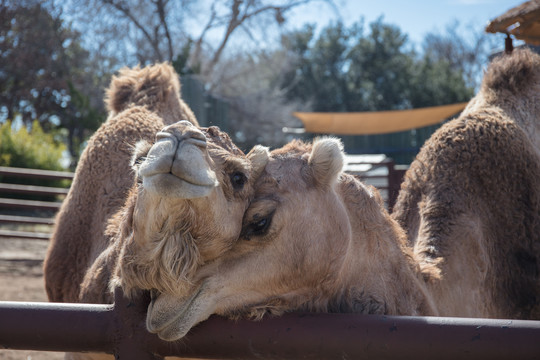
<point x="472" y="200"/>
<point x="102" y="181"/>
<point x="141" y="102"/>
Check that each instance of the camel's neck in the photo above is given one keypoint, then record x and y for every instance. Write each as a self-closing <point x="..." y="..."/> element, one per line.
<point x="379" y="274"/>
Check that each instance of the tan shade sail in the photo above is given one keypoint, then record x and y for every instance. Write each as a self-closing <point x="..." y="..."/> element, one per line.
<point x="376" y="122"/>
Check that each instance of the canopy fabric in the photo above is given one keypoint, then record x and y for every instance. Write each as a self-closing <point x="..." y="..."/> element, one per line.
<point x="377" y="122"/>
<point x="522" y="21"/>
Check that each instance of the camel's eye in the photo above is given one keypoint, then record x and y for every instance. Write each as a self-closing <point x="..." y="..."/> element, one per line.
<point x="258" y="227"/>
<point x="238" y="180"/>
<point x="139" y="160"/>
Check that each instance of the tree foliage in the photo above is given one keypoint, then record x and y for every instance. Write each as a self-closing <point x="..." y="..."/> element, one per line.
<point x="32" y="148"/>
<point x="45" y="73"/>
<point x="33" y="62"/>
<point x="160" y="30"/>
<point x="54" y="63"/>
<point x="351" y="69"/>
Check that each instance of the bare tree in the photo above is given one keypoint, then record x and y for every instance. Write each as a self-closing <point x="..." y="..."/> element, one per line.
<point x="465" y="53"/>
<point x="156" y="30"/>
<point x="136" y="31"/>
<point x="259" y="107"/>
<point x="245" y="15"/>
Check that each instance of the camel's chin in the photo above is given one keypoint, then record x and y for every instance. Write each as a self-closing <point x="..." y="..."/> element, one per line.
<point x="171" y="317"/>
<point x="171" y="186"/>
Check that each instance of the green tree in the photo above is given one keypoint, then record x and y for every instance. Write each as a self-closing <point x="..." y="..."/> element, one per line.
<point x="351" y="69"/>
<point x="45" y="72"/>
<point x="380" y="69"/>
<point x="437" y="83"/>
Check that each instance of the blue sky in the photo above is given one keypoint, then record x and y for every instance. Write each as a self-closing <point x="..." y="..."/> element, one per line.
<point x="414" y="17"/>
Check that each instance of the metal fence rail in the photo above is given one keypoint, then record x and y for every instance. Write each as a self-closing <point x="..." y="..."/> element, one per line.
<point x="120" y="330"/>
<point x="38" y="208"/>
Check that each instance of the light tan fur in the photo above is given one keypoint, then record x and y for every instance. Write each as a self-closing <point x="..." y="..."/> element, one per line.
<point x="316" y="239"/>
<point x="313" y="239"/>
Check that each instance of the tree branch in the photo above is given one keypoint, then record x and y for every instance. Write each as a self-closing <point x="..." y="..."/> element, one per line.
<point x="125" y="10"/>
<point x="235" y="20"/>
<point x="161" y="4"/>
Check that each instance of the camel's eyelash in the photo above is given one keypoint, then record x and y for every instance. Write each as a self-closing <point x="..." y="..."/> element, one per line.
<point x="258" y="226"/>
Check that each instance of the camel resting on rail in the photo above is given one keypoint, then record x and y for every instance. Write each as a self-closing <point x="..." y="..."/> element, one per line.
<point x="463" y="240"/>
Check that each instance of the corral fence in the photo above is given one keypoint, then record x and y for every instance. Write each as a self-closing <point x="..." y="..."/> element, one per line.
<point x="35" y="212"/>
<point x="119" y="329"/>
<point x="379" y="171"/>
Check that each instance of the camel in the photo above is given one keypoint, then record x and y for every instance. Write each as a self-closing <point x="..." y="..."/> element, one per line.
<point x="140" y="103"/>
<point x="470" y="202"/>
<point x="463" y="240"/>
<point x="186" y="190"/>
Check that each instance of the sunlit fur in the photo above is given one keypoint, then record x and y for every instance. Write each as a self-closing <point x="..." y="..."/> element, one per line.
<point x="330" y="247"/>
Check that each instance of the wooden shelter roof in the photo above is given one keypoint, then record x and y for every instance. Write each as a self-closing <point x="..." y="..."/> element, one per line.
<point x="522" y="21"/>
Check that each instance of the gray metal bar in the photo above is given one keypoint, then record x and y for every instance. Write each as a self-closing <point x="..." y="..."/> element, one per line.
<point x="26" y="220"/>
<point x="35" y="173"/>
<point x="122" y="331"/>
<point x="15" y="234"/>
<point x="29" y="204"/>
<point x="56" y="327"/>
<point x="32" y="189"/>
<point x="346" y="336"/>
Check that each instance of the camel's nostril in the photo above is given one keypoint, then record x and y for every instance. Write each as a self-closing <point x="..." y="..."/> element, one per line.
<point x="198" y="136"/>
<point x="163" y="135"/>
<point x="198" y="142"/>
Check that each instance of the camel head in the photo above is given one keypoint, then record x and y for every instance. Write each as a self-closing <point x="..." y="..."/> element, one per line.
<point x="311" y="240"/>
<point x="193" y="187"/>
<point x="511" y="88"/>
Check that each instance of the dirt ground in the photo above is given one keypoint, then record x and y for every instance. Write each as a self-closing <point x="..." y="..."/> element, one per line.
<point x="21" y="279"/>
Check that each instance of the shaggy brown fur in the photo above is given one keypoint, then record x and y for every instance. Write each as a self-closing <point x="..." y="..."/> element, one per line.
<point x="141" y="102"/>
<point x="470" y="202"/>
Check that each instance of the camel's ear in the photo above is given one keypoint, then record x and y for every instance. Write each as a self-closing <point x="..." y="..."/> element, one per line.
<point x="258" y="156"/>
<point x="326" y="160"/>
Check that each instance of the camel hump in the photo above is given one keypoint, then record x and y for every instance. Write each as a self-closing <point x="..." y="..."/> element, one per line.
<point x="514" y="73"/>
<point x="149" y="86"/>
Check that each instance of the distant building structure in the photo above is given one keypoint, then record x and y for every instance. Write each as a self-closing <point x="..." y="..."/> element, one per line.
<point x="522" y="22"/>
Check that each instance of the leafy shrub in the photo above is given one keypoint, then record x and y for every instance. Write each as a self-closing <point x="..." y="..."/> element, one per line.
<point x="29" y="149"/>
<point x="32" y="149"/>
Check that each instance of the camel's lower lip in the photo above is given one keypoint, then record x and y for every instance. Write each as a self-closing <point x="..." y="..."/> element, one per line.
<point x="170" y="185"/>
<point x="177" y="314"/>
